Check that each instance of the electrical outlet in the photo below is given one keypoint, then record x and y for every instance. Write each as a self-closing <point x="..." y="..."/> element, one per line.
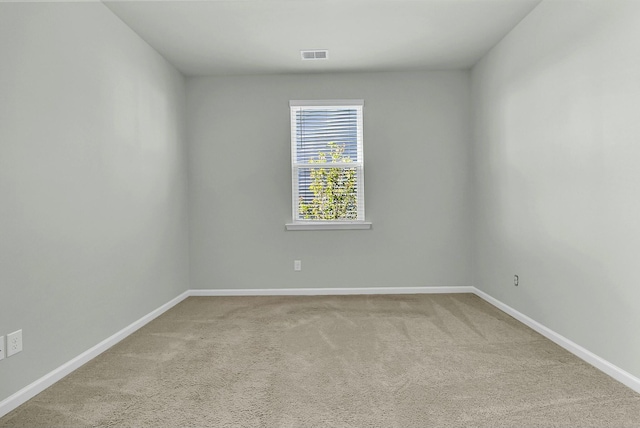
<point x="1" y="347"/>
<point x="14" y="343"/>
<point x="297" y="265"/>
<point x="516" y="280"/>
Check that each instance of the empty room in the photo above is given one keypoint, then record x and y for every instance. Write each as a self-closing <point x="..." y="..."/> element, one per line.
<point x="342" y="213"/>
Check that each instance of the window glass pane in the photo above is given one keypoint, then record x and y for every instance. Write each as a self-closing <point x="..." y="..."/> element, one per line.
<point x="317" y="127"/>
<point x="328" y="193"/>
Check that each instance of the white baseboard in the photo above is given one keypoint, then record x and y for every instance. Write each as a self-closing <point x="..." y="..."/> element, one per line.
<point x="330" y="291"/>
<point x="49" y="379"/>
<point x="601" y="364"/>
<point x="52" y="377"/>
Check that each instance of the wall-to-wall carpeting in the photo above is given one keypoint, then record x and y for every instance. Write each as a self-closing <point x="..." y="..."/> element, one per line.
<point x="354" y="361"/>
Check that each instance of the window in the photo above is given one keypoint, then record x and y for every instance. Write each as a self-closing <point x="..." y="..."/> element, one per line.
<point x="327" y="165"/>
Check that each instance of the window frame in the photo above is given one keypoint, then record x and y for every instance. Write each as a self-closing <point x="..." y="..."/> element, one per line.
<point x="300" y="224"/>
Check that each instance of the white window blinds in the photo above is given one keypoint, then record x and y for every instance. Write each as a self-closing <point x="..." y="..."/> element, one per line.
<point x="327" y="161"/>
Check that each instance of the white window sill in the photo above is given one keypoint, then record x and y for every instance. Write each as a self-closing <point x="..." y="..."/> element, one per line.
<point x="329" y="225"/>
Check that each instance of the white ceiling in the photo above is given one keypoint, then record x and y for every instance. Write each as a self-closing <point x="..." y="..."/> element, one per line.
<point x="209" y="37"/>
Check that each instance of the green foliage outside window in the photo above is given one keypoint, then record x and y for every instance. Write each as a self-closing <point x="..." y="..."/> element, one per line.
<point x="334" y="189"/>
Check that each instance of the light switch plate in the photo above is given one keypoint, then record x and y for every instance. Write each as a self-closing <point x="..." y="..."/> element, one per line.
<point x="2" y="348"/>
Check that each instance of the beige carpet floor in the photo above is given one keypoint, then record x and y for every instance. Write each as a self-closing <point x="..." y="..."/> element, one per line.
<point x="334" y="361"/>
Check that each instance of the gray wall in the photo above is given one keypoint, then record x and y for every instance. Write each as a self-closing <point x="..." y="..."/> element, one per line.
<point x="556" y="170"/>
<point x="93" y="223"/>
<point x="416" y="143"/>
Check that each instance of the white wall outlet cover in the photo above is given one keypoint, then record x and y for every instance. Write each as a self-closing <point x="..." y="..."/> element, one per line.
<point x="2" y="348"/>
<point x="14" y="343"/>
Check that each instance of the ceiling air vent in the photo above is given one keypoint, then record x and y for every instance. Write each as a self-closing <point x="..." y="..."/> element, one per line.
<point x="316" y="54"/>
